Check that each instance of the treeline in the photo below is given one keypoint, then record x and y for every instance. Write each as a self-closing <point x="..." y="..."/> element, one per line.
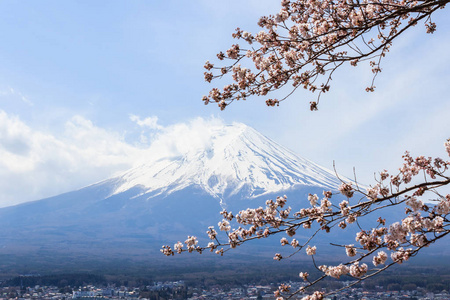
<point x="61" y="280"/>
<point x="433" y="279"/>
<point x="427" y="281"/>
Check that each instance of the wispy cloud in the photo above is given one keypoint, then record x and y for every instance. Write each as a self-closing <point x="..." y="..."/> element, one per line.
<point x="14" y="94"/>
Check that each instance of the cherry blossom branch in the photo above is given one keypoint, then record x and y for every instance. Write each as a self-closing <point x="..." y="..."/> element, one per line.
<point x="319" y="37"/>
<point x="402" y="239"/>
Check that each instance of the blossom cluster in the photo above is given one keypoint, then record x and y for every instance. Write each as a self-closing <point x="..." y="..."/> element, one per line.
<point x="191" y="245"/>
<point x="355" y="270"/>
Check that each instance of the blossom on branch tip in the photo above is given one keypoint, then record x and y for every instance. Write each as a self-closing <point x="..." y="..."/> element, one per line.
<point x="178" y="247"/>
<point x="303" y="275"/>
<point x="415" y="204"/>
<point x="346" y="189"/>
<point x="351" y="219"/>
<point x="350" y="250"/>
<point x="418" y="240"/>
<point x="357" y="270"/>
<point x="327" y="194"/>
<point x="211" y="246"/>
<point x="315" y="296"/>
<point x="401" y="255"/>
<point x="311" y="250"/>
<point x="212" y="233"/>
<point x="284" y="288"/>
<point x="447" y="146"/>
<point x="227" y="215"/>
<point x="166" y="250"/>
<point x="372" y="193"/>
<point x="208" y="66"/>
<point x="335" y="272"/>
<point x="277" y="256"/>
<point x="191" y="242"/>
<point x="290" y="231"/>
<point x="313" y="199"/>
<point x="224" y="225"/>
<point x="344" y="208"/>
<point x="380" y="258"/>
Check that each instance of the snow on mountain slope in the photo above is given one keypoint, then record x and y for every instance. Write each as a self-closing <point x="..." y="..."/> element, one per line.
<point x="234" y="158"/>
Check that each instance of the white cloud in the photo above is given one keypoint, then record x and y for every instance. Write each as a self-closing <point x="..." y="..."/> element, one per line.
<point x="149" y="126"/>
<point x="36" y="164"/>
<point x="181" y="138"/>
<point x="149" y="122"/>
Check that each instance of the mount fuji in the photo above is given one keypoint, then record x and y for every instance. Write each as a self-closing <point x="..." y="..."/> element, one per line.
<point x="165" y="199"/>
<point x="236" y="160"/>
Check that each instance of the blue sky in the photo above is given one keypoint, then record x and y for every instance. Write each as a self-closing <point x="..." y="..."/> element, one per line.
<point x="85" y="86"/>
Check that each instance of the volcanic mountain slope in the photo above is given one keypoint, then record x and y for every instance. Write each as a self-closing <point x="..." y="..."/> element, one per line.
<point x="167" y="198"/>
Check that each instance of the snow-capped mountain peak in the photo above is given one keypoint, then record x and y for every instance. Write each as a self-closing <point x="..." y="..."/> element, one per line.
<point x="228" y="160"/>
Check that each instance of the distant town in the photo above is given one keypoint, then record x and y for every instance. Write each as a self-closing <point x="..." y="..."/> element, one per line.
<point x="180" y="290"/>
